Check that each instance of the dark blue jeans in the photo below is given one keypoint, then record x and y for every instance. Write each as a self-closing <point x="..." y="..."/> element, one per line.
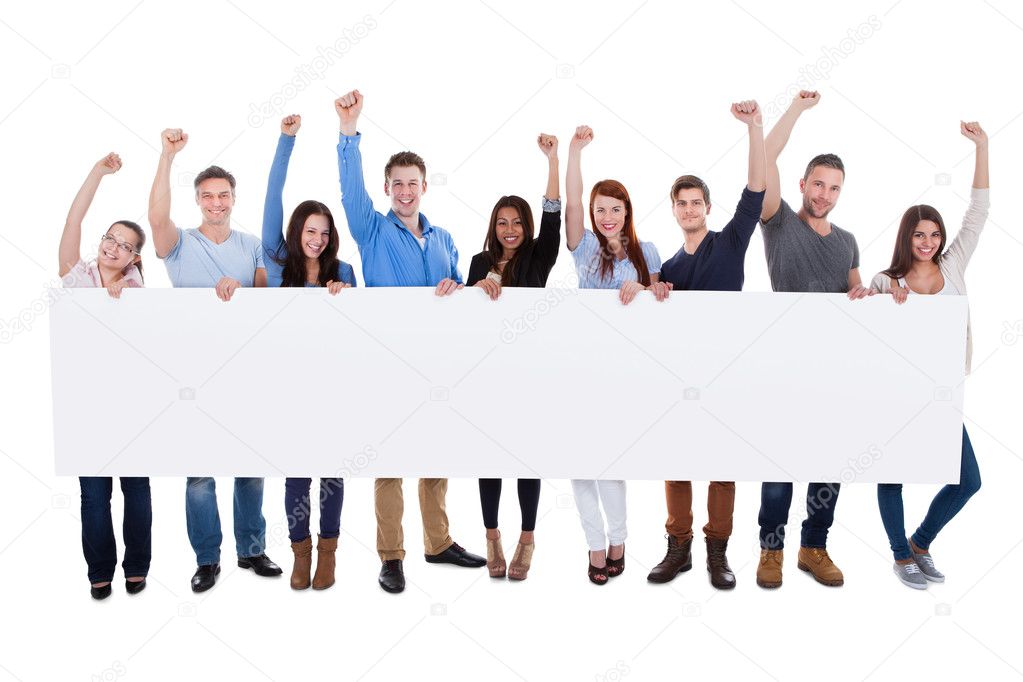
<point x="297" y="507"/>
<point x="775" y="500"/>
<point x="203" y="518"/>
<point x="98" y="541"/>
<point x="945" y="505"/>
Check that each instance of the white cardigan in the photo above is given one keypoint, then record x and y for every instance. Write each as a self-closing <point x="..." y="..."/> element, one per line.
<point x="956" y="257"/>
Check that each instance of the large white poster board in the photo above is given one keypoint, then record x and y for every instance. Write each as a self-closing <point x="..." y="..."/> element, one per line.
<point x="550" y="383"/>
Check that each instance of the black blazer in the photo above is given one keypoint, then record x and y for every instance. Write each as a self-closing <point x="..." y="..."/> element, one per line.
<point x="533" y="265"/>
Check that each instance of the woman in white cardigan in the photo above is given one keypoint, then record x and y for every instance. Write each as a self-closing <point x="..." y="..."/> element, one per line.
<point x="922" y="265"/>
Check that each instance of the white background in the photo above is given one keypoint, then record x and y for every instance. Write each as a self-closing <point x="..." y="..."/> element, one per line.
<point x="469" y="87"/>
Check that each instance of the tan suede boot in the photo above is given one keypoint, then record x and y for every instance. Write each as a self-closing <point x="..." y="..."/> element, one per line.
<point x="325" y="548"/>
<point x="303" y="563"/>
<point x="769" y="570"/>
<point x="816" y="562"/>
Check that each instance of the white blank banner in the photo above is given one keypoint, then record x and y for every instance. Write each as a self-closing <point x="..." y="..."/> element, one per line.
<point x="548" y="383"/>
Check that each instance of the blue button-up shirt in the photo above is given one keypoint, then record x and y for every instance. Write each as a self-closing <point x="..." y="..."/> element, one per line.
<point x="391" y="255"/>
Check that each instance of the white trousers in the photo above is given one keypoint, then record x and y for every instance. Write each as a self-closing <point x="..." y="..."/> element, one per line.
<point x="589" y="497"/>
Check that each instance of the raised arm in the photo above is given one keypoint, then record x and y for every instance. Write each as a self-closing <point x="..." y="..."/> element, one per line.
<point x="273" y="205"/>
<point x="70" y="250"/>
<point x="973" y="132"/>
<point x="354" y="197"/>
<point x="574" y="187"/>
<point x="775" y="143"/>
<point x="165" y="233"/>
<point x="549" y="146"/>
<point x="966" y="240"/>
<point x="749" y="113"/>
<point x="549" y="239"/>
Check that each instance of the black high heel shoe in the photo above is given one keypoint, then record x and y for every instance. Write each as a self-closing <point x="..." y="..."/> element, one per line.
<point x="134" y="586"/>
<point x="99" y="593"/>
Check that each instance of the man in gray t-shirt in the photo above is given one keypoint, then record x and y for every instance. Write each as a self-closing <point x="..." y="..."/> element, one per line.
<point x="805" y="253"/>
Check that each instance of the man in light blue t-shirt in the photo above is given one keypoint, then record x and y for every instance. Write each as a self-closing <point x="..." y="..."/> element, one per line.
<point x="215" y="256"/>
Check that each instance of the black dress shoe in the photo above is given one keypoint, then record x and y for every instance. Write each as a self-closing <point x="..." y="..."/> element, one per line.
<point x="134" y="586"/>
<point x="205" y="577"/>
<point x="392" y="577"/>
<point x="100" y="592"/>
<point x="456" y="555"/>
<point x="261" y="564"/>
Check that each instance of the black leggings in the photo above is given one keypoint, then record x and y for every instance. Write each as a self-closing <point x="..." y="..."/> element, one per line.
<point x="529" y="500"/>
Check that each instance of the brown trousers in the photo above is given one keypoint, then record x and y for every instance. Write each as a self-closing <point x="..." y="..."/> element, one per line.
<point x="390" y="507"/>
<point x="720" y="503"/>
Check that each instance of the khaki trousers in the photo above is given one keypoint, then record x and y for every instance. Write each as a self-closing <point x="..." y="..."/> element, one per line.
<point x="720" y="503"/>
<point x="390" y="506"/>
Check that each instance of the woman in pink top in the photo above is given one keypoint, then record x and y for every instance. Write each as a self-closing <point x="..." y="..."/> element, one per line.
<point x="117" y="264"/>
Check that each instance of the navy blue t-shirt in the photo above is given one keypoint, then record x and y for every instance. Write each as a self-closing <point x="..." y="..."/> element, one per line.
<point x="718" y="264"/>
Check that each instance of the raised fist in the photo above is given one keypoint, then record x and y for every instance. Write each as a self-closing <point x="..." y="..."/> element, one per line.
<point x="548" y="145"/>
<point x="174" y="140"/>
<point x="111" y="163"/>
<point x="973" y="132"/>
<point x="583" y="136"/>
<point x="806" y="99"/>
<point x="348" y="107"/>
<point x="291" y="124"/>
<point x="747" y="111"/>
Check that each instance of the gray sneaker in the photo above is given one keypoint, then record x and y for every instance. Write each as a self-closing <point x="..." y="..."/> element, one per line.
<point x="926" y="564"/>
<point x="910" y="575"/>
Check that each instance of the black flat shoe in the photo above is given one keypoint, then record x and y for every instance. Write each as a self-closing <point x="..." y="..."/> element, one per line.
<point x="456" y="555"/>
<point x="205" y="577"/>
<point x="134" y="586"/>
<point x="100" y="592"/>
<point x="392" y="577"/>
<point x="261" y="564"/>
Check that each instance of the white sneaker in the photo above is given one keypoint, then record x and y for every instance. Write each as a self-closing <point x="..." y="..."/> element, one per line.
<point x="926" y="564"/>
<point x="910" y="575"/>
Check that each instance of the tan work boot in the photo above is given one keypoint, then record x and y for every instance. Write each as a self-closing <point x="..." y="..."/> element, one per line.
<point x="303" y="563"/>
<point x="325" y="548"/>
<point x="769" y="570"/>
<point x="816" y="562"/>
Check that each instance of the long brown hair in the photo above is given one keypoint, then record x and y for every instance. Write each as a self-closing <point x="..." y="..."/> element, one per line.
<point x="902" y="257"/>
<point x="616" y="190"/>
<point x="294" y="261"/>
<point x="493" y="248"/>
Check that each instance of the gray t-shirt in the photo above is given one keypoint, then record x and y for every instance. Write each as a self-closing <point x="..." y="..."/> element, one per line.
<point x="799" y="259"/>
<point x="195" y="261"/>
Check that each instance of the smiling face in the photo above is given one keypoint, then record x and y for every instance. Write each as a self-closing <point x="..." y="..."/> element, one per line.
<point x="215" y="199"/>
<point x="510" y="230"/>
<point x="118" y="248"/>
<point x="691" y="209"/>
<point x="926" y="241"/>
<point x="405" y="186"/>
<point x="315" y="235"/>
<point x="608" y="215"/>
<point x="820" y="190"/>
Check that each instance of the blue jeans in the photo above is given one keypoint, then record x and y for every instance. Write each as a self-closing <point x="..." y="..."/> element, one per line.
<point x="298" y="509"/>
<point x="775" y="500"/>
<point x="945" y="505"/>
<point x="203" y="518"/>
<point x="98" y="541"/>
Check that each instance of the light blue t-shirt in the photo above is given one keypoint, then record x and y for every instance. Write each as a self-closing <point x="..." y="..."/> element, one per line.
<point x="197" y="262"/>
<point x="587" y="264"/>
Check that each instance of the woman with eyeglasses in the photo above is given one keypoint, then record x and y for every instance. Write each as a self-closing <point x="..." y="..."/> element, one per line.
<point x="117" y="265"/>
<point x="305" y="255"/>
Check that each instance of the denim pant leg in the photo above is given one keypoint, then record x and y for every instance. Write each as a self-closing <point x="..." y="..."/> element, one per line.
<point x="775" y="500"/>
<point x="138" y="526"/>
<point x="950" y="499"/>
<point x="821" y="499"/>
<point x="98" y="528"/>
<point x="202" y="519"/>
<point x="332" y="498"/>
<point x="893" y="516"/>
<point x="297" y="507"/>
<point x="249" y="524"/>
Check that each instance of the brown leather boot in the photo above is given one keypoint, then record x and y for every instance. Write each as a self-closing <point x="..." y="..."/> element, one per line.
<point x="324" y="577"/>
<point x="816" y="562"/>
<point x="678" y="559"/>
<point x="303" y="563"/>
<point x="721" y="575"/>
<point x="769" y="570"/>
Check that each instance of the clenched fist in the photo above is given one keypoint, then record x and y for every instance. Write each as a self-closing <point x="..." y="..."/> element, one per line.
<point x="291" y="124"/>
<point x="111" y="163"/>
<point x="748" y="111"/>
<point x="548" y="145"/>
<point x="348" y="108"/>
<point x="174" y="140"/>
<point x="583" y="136"/>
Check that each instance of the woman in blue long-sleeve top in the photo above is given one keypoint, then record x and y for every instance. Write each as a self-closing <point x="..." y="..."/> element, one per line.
<point x="305" y="255"/>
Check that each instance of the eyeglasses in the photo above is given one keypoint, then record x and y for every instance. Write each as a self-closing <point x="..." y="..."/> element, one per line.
<point x="125" y="247"/>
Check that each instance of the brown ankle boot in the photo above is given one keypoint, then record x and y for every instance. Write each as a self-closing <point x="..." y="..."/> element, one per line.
<point x="678" y="559"/>
<point x="721" y="575"/>
<point x="303" y="563"/>
<point x="816" y="562"/>
<point x="769" y="570"/>
<point x="325" y="548"/>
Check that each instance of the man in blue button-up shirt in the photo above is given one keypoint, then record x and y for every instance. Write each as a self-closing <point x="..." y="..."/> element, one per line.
<point x="400" y="249"/>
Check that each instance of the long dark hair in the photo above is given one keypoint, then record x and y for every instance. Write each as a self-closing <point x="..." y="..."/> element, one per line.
<point x="141" y="234"/>
<point x="902" y="257"/>
<point x="616" y="190"/>
<point x="493" y="248"/>
<point x="293" y="259"/>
